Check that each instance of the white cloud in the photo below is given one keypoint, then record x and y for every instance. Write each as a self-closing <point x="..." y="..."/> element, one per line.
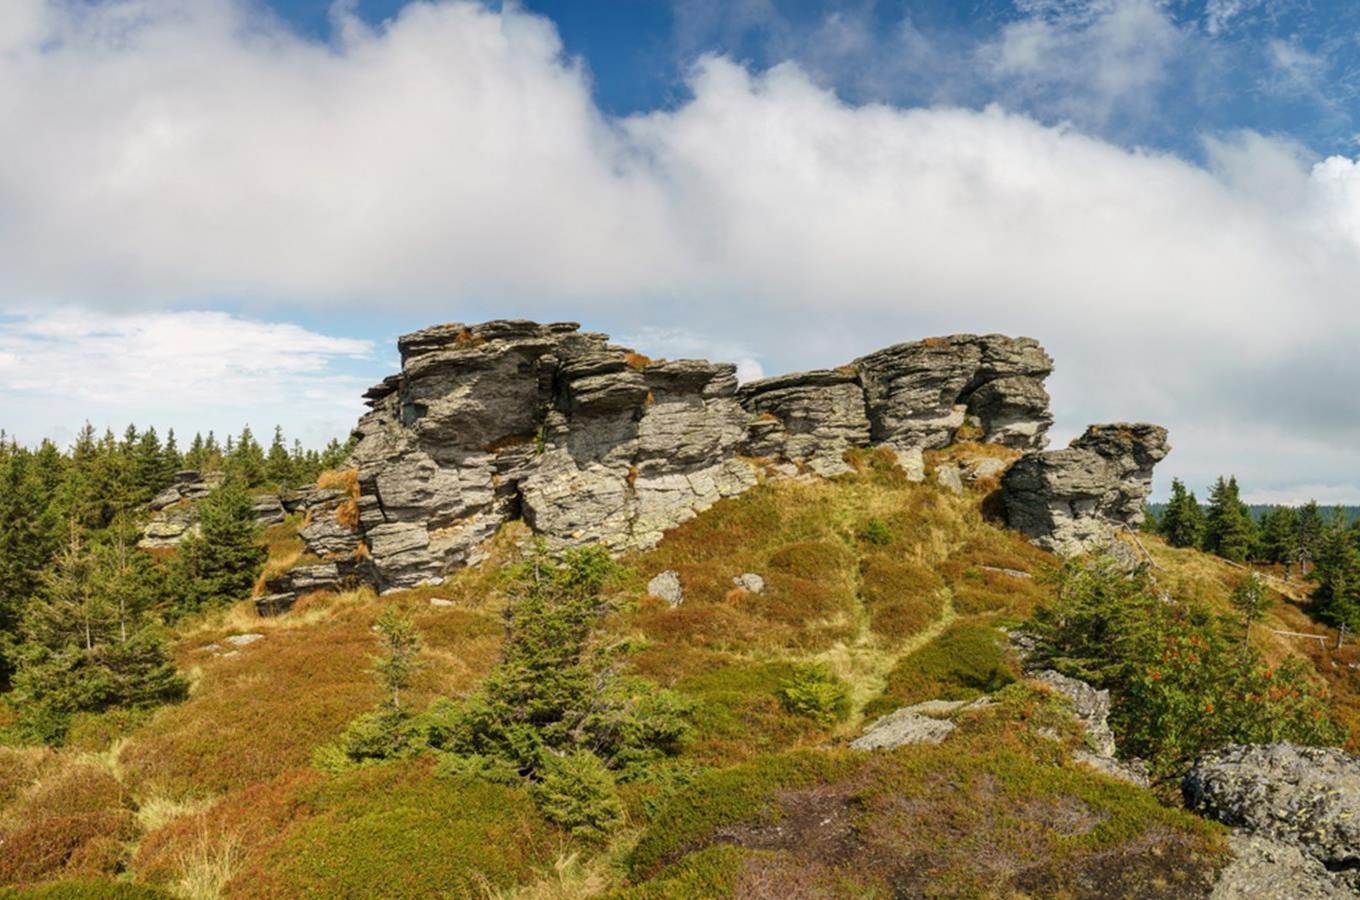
<point x="169" y="151"/>
<point x="188" y="370"/>
<point x="1090" y="57"/>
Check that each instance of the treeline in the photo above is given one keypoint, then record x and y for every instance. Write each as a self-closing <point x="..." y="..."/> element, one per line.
<point x="81" y="606"/>
<point x="1325" y="546"/>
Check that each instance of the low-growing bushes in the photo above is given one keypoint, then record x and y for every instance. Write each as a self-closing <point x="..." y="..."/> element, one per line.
<point x="969" y="658"/>
<point x="396" y="830"/>
<point x="1182" y="681"/>
<point x="903" y="597"/>
<point x="924" y="821"/>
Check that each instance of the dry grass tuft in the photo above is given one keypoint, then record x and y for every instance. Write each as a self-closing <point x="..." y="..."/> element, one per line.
<point x="346" y="480"/>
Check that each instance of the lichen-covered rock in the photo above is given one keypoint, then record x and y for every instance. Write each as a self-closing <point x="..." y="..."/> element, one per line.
<point x="1262" y="868"/>
<point x="948" y="478"/>
<point x="909" y="725"/>
<point x="169" y="526"/>
<point x="591" y="443"/>
<point x="919" y="394"/>
<point x="1308" y="797"/>
<point x="1071" y="500"/>
<point x="750" y="582"/>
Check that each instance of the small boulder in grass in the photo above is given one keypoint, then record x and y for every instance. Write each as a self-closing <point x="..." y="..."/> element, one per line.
<point x="666" y="586"/>
<point x="750" y="582"/>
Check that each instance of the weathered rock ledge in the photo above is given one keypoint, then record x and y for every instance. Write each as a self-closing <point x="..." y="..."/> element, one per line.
<point x="587" y="441"/>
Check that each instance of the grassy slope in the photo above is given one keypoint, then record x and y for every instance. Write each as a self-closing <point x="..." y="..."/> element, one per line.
<point x="899" y="589"/>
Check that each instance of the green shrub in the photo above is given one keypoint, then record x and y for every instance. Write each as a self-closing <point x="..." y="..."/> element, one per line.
<point x="553" y="692"/>
<point x="578" y="793"/>
<point x="876" y="531"/>
<point x="969" y="658"/>
<point x="53" y="685"/>
<point x="220" y="563"/>
<point x="738" y="714"/>
<point x="816" y="693"/>
<point x="1180" y="677"/>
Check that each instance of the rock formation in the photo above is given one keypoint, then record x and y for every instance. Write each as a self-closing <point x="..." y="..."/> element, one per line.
<point x="590" y="442"/>
<point x="1305" y="797"/>
<point x="1067" y="500"/>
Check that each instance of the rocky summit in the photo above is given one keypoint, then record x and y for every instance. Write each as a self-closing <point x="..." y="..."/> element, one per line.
<point x="587" y="441"/>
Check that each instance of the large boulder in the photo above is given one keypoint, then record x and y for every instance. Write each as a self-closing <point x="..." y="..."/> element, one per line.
<point x="1307" y="797"/>
<point x="1071" y="501"/>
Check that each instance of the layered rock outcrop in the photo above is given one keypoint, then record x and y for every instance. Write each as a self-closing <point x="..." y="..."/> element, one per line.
<point x="590" y="442"/>
<point x="1068" y="500"/>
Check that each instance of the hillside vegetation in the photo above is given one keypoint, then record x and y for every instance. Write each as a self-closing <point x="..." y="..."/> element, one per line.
<point x="635" y="748"/>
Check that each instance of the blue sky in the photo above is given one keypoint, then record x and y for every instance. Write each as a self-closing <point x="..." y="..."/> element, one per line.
<point x="221" y="211"/>
<point x="1277" y="67"/>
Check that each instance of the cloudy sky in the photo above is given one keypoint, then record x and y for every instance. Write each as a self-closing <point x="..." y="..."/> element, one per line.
<point x="215" y="212"/>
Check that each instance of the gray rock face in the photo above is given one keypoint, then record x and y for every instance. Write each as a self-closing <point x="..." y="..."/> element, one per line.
<point x="811" y="418"/>
<point x="948" y="478"/>
<point x="1070" y="501"/>
<point x="1307" y="797"/>
<point x="1091" y="706"/>
<point x="268" y="509"/>
<point x="1092" y="709"/>
<point x="169" y="526"/>
<point x="174" y="515"/>
<point x="919" y="394"/>
<point x="589" y="442"/>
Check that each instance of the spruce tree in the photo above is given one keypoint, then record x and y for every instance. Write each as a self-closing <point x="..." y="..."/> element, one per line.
<point x="171" y="459"/>
<point x="219" y="564"/>
<point x="1229" y="531"/>
<point x="148" y="463"/>
<point x="245" y="460"/>
<point x="1309" y="535"/>
<point x="87" y="644"/>
<point x="278" y="465"/>
<point x="1183" y="521"/>
<point x="1279" y="535"/>
<point x="1337" y="598"/>
<point x="29" y="536"/>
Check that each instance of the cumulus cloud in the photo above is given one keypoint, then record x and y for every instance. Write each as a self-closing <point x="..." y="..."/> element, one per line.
<point x="1086" y="58"/>
<point x="190" y="370"/>
<point x="176" y="152"/>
